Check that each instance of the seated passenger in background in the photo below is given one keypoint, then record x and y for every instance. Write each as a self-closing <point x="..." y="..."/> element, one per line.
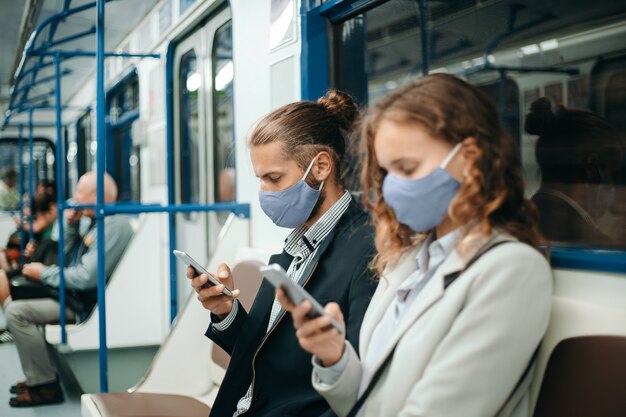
<point x="580" y="156"/>
<point x="296" y="152"/>
<point x="464" y="295"/>
<point x="28" y="306"/>
<point x="9" y="197"/>
<point x="42" y="248"/>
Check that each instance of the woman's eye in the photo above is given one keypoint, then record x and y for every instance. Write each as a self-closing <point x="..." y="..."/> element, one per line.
<point x="274" y="180"/>
<point x="408" y="171"/>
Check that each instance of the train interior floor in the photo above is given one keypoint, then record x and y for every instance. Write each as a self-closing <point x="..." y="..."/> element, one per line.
<point x="78" y="373"/>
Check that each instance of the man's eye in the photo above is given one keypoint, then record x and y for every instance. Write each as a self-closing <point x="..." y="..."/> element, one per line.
<point x="274" y="179"/>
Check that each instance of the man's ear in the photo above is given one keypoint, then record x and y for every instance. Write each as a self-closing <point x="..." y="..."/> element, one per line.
<point x="323" y="167"/>
<point x="470" y="153"/>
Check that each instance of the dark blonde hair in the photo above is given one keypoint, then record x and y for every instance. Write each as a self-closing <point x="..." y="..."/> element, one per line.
<point x="492" y="194"/>
<point x="306" y="128"/>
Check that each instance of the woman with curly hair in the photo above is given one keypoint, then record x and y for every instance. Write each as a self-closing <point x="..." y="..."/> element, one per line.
<point x="464" y="293"/>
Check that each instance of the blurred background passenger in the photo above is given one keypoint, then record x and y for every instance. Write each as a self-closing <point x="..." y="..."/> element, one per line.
<point x="43" y="246"/>
<point x="9" y="197"/>
<point x="580" y="156"/>
<point x="30" y="299"/>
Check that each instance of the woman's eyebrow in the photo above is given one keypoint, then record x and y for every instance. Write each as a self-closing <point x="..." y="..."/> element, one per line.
<point x="267" y="174"/>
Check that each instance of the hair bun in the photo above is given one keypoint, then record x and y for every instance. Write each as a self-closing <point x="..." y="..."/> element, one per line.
<point x="541" y="120"/>
<point x="341" y="106"/>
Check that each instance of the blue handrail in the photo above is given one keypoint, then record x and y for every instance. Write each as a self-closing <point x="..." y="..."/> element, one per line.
<point x="60" y="195"/>
<point x="100" y="153"/>
<point x="20" y="187"/>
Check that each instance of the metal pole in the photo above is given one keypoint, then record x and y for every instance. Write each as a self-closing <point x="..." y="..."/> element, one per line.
<point x="171" y="217"/>
<point x="423" y="7"/>
<point x="31" y="175"/>
<point x="60" y="199"/>
<point x="100" y="158"/>
<point x="20" y="188"/>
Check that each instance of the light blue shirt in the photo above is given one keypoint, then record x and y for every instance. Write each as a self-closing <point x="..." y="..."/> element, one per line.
<point x="428" y="259"/>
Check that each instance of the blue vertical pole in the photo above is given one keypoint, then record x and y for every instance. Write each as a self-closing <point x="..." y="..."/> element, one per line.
<point x="169" y="128"/>
<point x="60" y="194"/>
<point x="20" y="188"/>
<point x="31" y="175"/>
<point x="423" y="7"/>
<point x="100" y="140"/>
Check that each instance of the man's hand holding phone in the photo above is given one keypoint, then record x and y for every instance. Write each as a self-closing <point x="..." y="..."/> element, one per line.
<point x="212" y="296"/>
<point x="317" y="335"/>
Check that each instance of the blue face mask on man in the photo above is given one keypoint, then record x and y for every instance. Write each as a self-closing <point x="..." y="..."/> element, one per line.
<point x="422" y="203"/>
<point x="291" y="207"/>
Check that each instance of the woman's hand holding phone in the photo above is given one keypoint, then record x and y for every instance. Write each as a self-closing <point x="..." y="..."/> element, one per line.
<point x="316" y="336"/>
<point x="210" y="296"/>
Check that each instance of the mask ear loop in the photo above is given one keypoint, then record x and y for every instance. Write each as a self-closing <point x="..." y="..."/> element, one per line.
<point x="309" y="170"/>
<point x="451" y="155"/>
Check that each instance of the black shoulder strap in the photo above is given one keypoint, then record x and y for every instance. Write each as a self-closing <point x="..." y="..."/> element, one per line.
<point x="452" y="276"/>
<point x="447" y="280"/>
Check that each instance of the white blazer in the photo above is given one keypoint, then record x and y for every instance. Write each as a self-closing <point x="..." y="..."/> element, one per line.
<point x="461" y="351"/>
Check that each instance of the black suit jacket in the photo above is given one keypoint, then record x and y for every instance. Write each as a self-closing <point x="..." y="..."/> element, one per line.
<point x="274" y="362"/>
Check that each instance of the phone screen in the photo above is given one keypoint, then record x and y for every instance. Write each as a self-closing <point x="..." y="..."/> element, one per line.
<point x="188" y="260"/>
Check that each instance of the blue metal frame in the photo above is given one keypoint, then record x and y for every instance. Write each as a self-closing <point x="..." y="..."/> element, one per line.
<point x="315" y="82"/>
<point x="588" y="259"/>
<point x="315" y="51"/>
<point x="171" y="199"/>
<point x="20" y="187"/>
<point x="60" y="194"/>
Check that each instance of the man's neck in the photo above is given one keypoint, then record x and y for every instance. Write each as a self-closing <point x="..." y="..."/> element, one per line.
<point x="332" y="194"/>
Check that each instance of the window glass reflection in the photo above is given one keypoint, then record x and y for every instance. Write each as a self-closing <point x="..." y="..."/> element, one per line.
<point x="189" y="82"/>
<point x="570" y="52"/>
<point x="223" y="130"/>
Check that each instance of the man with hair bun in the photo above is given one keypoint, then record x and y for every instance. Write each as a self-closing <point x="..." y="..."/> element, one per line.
<point x="297" y="152"/>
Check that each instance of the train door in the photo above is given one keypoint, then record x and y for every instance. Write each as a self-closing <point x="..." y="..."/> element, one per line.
<point x="202" y="125"/>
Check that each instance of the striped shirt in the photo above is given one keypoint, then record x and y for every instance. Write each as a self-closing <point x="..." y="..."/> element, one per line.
<point x="302" y="243"/>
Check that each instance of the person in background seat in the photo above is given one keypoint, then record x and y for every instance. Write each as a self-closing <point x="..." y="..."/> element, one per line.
<point x="464" y="293"/>
<point x="9" y="197"/>
<point x="42" y="248"/>
<point x="580" y="156"/>
<point x="25" y="314"/>
<point x="296" y="153"/>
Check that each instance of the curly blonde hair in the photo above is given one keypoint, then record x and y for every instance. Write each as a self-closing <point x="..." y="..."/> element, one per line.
<point x="492" y="194"/>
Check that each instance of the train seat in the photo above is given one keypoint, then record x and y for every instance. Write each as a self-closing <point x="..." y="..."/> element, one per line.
<point x="585" y="376"/>
<point x="147" y="326"/>
<point x="188" y="369"/>
<point x="581" y="368"/>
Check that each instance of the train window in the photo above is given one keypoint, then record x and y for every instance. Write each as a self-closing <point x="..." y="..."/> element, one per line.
<point x="44" y="164"/>
<point x="189" y="81"/>
<point x="185" y="4"/>
<point x="86" y="151"/>
<point x="223" y="130"/>
<point x="79" y="157"/>
<point x="122" y="156"/>
<point x="516" y="53"/>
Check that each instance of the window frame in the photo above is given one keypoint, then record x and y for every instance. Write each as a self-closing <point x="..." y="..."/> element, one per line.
<point x="317" y="27"/>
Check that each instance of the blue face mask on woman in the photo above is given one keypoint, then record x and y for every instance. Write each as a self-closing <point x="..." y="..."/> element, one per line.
<point x="291" y="207"/>
<point x="422" y="204"/>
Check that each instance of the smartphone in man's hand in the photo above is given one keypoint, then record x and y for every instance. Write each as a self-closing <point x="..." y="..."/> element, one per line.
<point x="188" y="260"/>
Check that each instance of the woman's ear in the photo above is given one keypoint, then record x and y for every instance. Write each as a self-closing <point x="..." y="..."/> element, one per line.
<point x="470" y="153"/>
<point x="323" y="167"/>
